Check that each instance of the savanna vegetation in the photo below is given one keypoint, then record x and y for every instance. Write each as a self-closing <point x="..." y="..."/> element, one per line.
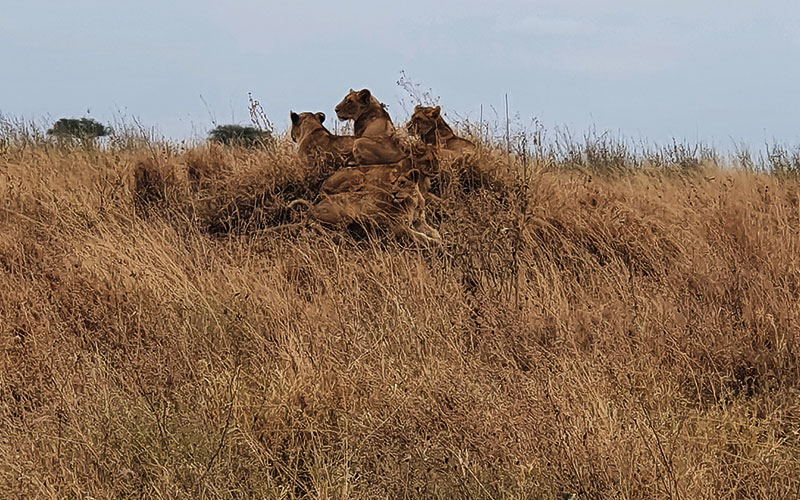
<point x="602" y="320"/>
<point x="78" y="128"/>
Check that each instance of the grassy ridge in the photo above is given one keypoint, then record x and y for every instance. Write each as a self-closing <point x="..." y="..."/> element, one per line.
<point x="588" y="328"/>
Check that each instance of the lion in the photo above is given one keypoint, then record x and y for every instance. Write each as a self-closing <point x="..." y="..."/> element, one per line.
<point x="376" y="142"/>
<point x="351" y="178"/>
<point x="427" y="124"/>
<point x="315" y="141"/>
<point x="395" y="202"/>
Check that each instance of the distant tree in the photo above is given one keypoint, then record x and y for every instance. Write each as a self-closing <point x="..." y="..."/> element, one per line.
<point x="239" y="135"/>
<point x="79" y="128"/>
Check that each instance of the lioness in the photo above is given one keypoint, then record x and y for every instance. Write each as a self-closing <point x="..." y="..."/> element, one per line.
<point x="315" y="141"/>
<point x="398" y="205"/>
<point x="427" y="124"/>
<point x="351" y="178"/>
<point x="376" y="143"/>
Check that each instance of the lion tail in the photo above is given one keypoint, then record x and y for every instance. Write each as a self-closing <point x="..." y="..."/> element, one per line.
<point x="295" y="203"/>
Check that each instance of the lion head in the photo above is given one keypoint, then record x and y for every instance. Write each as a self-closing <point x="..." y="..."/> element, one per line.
<point x="354" y="104"/>
<point x="406" y="186"/>
<point x="424" y="119"/>
<point x="305" y="122"/>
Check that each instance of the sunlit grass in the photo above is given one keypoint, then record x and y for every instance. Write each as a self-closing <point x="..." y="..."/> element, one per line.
<point x="602" y="320"/>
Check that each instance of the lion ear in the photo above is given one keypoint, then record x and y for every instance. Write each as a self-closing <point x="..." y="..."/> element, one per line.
<point x="437" y="111"/>
<point x="321" y="117"/>
<point x="364" y="95"/>
<point x="295" y="117"/>
<point x="418" y="107"/>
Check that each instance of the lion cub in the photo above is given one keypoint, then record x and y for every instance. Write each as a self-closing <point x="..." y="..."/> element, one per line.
<point x="376" y="143"/>
<point x="317" y="142"/>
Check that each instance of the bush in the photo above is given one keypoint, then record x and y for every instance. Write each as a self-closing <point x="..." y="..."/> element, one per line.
<point x="79" y="128"/>
<point x="238" y="135"/>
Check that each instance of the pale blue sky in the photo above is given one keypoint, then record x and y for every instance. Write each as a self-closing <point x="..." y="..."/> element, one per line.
<point x="712" y="70"/>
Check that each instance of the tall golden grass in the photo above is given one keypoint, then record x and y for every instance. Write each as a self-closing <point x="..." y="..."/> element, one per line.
<point x="588" y="328"/>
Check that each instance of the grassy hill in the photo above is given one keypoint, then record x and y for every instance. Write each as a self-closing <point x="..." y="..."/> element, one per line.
<point x="600" y="322"/>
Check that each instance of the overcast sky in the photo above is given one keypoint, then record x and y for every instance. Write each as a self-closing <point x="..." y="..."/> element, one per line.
<point x="710" y="70"/>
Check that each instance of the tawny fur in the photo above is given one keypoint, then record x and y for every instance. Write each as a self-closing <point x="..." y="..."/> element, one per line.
<point x="427" y="124"/>
<point x="315" y="142"/>
<point x="376" y="141"/>
<point x="352" y="178"/>
<point x="390" y="199"/>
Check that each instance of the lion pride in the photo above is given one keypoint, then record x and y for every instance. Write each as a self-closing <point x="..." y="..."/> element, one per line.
<point x="376" y="142"/>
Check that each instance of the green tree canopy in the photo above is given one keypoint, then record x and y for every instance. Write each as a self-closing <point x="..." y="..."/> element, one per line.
<point x="80" y="128"/>
<point x="239" y="135"/>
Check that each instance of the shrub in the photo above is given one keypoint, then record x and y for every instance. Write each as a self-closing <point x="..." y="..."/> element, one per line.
<point x="79" y="128"/>
<point x="239" y="135"/>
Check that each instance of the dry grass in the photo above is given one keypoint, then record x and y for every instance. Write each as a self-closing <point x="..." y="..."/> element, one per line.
<point x="602" y="331"/>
